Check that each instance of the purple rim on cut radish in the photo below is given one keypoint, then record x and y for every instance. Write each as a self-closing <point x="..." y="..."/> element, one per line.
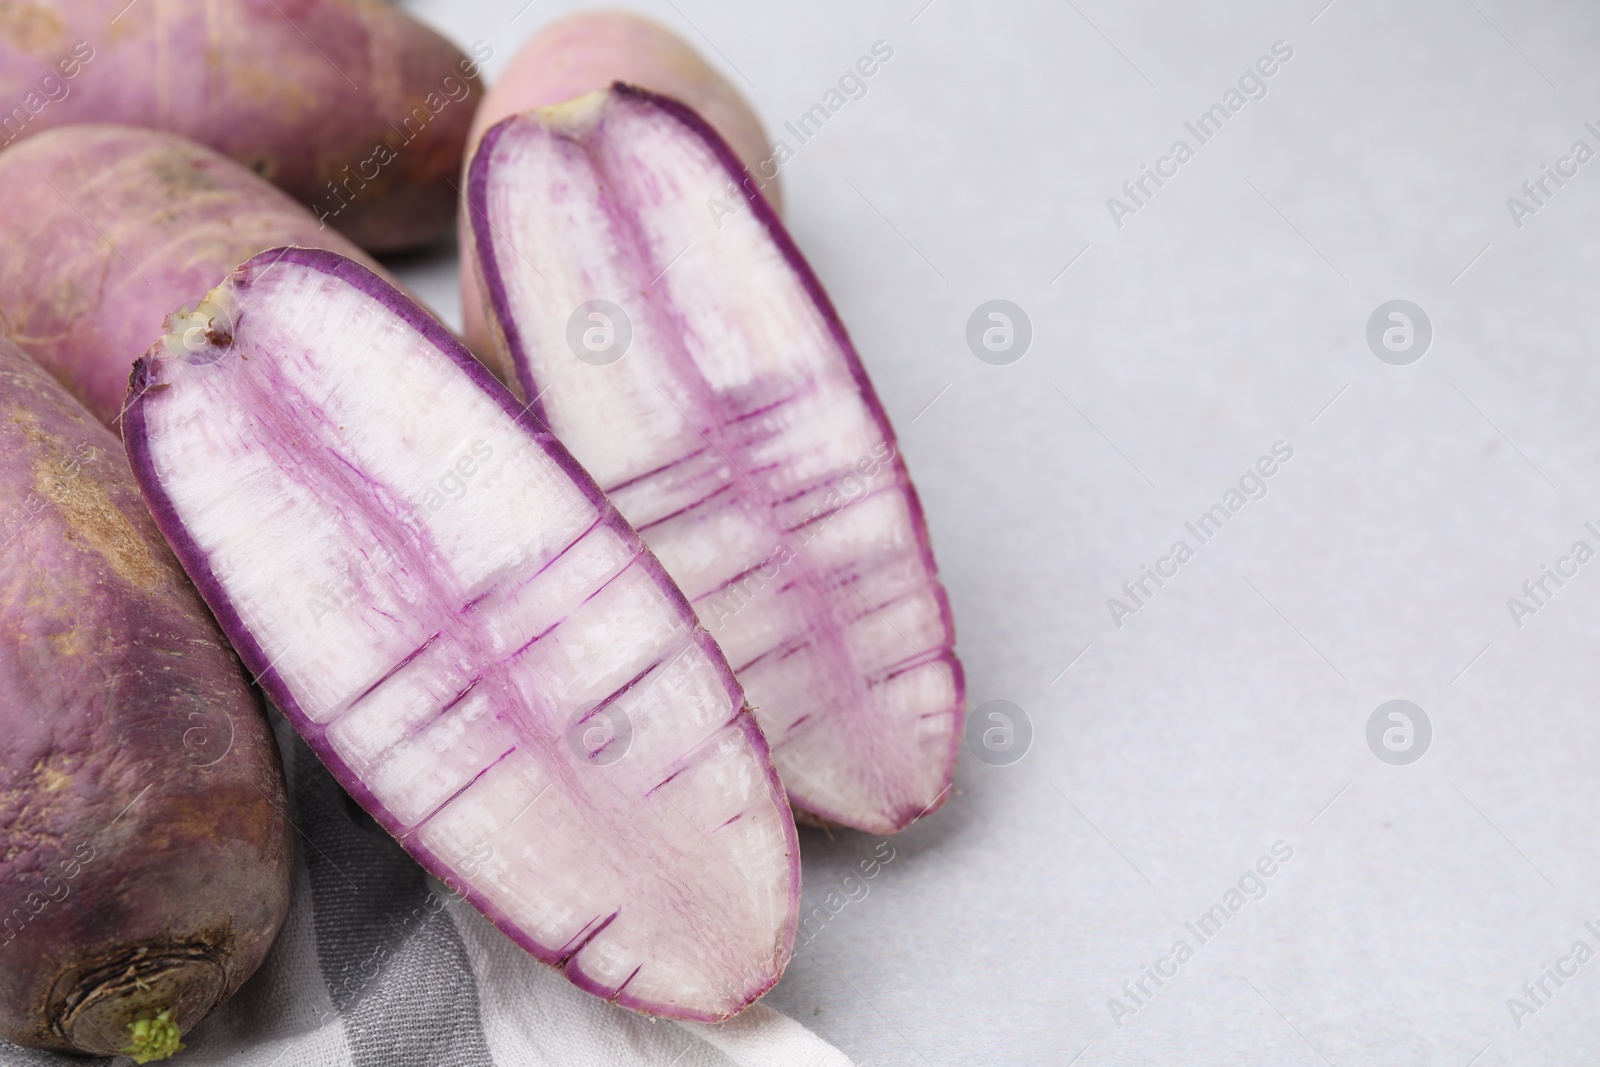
<point x="738" y="433"/>
<point x="468" y="634"/>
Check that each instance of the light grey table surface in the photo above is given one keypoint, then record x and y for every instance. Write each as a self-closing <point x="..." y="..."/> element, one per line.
<point x="1226" y="313"/>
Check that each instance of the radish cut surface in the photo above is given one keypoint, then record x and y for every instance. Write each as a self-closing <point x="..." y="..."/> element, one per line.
<point x="468" y="634"/>
<point x="736" y="430"/>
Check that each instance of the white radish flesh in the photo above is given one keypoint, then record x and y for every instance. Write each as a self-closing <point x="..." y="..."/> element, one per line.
<point x="737" y="432"/>
<point x="468" y="634"/>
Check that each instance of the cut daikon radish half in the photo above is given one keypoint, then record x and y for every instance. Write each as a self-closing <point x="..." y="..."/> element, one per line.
<point x="468" y="634"/>
<point x="666" y="328"/>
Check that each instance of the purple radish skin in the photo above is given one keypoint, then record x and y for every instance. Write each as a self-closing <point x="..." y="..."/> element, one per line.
<point x="108" y="228"/>
<point x="463" y="628"/>
<point x="352" y="107"/>
<point x="588" y="50"/>
<point x="144" y="851"/>
<point x="737" y="431"/>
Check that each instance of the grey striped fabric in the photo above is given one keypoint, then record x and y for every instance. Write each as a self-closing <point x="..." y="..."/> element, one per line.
<point x="385" y="977"/>
<point x="377" y="966"/>
<point x="386" y="947"/>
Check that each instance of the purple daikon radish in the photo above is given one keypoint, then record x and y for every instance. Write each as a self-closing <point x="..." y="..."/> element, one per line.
<point x="145" y="856"/>
<point x="467" y="633"/>
<point x="669" y="332"/>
